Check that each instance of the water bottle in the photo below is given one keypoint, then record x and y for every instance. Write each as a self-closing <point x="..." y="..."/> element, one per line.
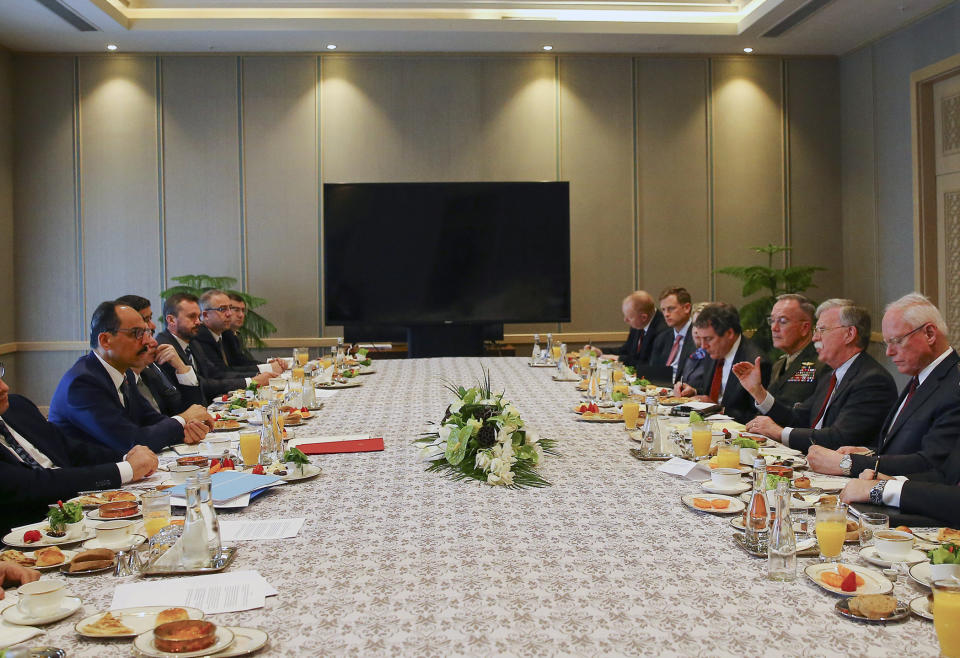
<point x="781" y="542"/>
<point x="210" y="522"/>
<point x="536" y="349"/>
<point x="652" y="444"/>
<point x="755" y="531"/>
<point x="193" y="542"/>
<point x="549" y="347"/>
<point x="309" y="392"/>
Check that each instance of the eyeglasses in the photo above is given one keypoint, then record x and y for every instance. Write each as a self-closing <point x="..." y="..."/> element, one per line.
<point x="822" y="330"/>
<point x="237" y="309"/>
<point x="3" y="370"/>
<point x="136" y="333"/>
<point x="782" y="321"/>
<point x="219" y="309"/>
<point x="895" y="342"/>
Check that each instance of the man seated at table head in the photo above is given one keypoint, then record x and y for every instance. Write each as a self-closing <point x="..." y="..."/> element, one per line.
<point x="95" y="402"/>
<point x="846" y="408"/>
<point x="646" y="322"/>
<point x="39" y="465"/>
<point x="922" y="427"/>
<point x="181" y="313"/>
<point x="217" y="318"/>
<point x="673" y="347"/>
<point x="150" y="380"/>
<point x="794" y="376"/>
<point x="722" y="337"/>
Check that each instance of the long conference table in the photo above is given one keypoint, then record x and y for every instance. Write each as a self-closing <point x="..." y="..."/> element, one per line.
<point x="393" y="560"/>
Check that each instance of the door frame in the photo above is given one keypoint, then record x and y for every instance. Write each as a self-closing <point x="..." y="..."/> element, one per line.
<point x="923" y="139"/>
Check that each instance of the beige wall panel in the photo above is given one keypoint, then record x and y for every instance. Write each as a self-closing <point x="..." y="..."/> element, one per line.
<point x="49" y="279"/>
<point x="201" y="166"/>
<point x="438" y="119"/>
<point x="120" y="205"/>
<point x="673" y="176"/>
<point x="7" y="291"/>
<point x="596" y="133"/>
<point x="747" y="160"/>
<point x="280" y="172"/>
<point x="813" y="93"/>
<point x="38" y="373"/>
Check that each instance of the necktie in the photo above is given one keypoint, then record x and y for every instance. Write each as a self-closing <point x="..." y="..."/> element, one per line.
<point x="14" y="445"/>
<point x="147" y="394"/>
<point x="674" y="349"/>
<point x="914" y="382"/>
<point x="826" y="400"/>
<point x="125" y="393"/>
<point x="716" y="386"/>
<point x="640" y="341"/>
<point x="223" y="352"/>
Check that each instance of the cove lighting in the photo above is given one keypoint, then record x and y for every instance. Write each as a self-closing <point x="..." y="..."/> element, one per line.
<point x="748" y="50"/>
<point x="548" y="47"/>
<point x="331" y="46"/>
<point x="111" y="47"/>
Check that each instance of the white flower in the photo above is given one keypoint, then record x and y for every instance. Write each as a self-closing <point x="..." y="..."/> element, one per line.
<point x="475" y="424"/>
<point x="511" y="410"/>
<point x="455" y="406"/>
<point x="483" y="460"/>
<point x="493" y="478"/>
<point x="444" y="433"/>
<point x="496" y="465"/>
<point x="532" y="437"/>
<point x="507" y="478"/>
<point x="431" y="452"/>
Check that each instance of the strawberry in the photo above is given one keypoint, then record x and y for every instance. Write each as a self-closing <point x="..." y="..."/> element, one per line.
<point x="31" y="536"/>
<point x="303" y="410"/>
<point x="849" y="583"/>
<point x="258" y="469"/>
<point x="225" y="398"/>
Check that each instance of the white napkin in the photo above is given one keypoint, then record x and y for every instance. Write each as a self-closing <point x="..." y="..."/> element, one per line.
<point x="11" y="634"/>
<point x="804" y="544"/>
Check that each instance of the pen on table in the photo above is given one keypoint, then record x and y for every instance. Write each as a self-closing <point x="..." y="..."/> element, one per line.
<point x="875" y="467"/>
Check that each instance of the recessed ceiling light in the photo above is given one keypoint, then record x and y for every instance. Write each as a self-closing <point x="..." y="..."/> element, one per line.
<point x="111" y="47"/>
<point x="548" y="47"/>
<point x="331" y="46"/>
<point x="748" y="50"/>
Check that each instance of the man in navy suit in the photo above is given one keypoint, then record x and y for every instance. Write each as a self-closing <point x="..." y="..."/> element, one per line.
<point x="217" y="320"/>
<point x="39" y="465"/>
<point x="95" y="402"/>
<point x="646" y="322"/>
<point x="673" y="348"/>
<point x="922" y="428"/>
<point x="847" y="408"/>
<point x="235" y="350"/>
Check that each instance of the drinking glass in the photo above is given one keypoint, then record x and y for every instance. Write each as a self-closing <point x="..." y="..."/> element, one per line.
<point x="869" y="525"/>
<point x="946" y="616"/>
<point x="156" y="511"/>
<point x="300" y="356"/>
<point x="701" y="435"/>
<point x="631" y="411"/>
<point x="728" y="455"/>
<point x="278" y="384"/>
<point x="250" y="447"/>
<point x="831" y="531"/>
<point x="556" y="352"/>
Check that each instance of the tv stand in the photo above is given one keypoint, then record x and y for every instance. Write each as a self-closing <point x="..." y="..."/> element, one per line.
<point x="445" y="340"/>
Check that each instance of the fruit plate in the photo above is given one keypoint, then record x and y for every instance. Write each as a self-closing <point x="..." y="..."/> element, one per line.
<point x="874" y="581"/>
<point x="734" y="506"/>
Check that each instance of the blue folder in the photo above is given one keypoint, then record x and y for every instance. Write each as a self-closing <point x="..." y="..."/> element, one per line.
<point x="227" y="485"/>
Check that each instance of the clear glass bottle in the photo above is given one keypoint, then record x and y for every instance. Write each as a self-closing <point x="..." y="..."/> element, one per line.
<point x="338" y="359"/>
<point x="755" y="524"/>
<point x="269" y="414"/>
<point x="549" y="347"/>
<point x="210" y="522"/>
<point x="781" y="542"/>
<point x="309" y="396"/>
<point x="193" y="542"/>
<point x="535" y="356"/>
<point x="652" y="443"/>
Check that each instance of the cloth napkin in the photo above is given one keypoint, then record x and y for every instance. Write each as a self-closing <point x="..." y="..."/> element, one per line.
<point x="11" y="634"/>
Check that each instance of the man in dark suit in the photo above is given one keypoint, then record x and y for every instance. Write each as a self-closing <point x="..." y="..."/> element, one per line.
<point x="646" y="322"/>
<point x="181" y="313"/>
<point x="150" y="380"/>
<point x="722" y="337"/>
<point x="95" y="402"/>
<point x="217" y="318"/>
<point x="39" y="465"/>
<point x="922" y="428"/>
<point x="794" y="376"/>
<point x="232" y="344"/>
<point x="849" y="407"/>
<point x="673" y="348"/>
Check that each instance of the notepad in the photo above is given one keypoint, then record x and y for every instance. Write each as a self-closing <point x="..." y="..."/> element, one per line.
<point x="328" y="445"/>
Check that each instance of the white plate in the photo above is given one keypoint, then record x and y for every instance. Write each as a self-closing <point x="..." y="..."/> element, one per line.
<point x="76" y="499"/>
<point x="735" y="505"/>
<point x="309" y="471"/>
<point x="827" y="483"/>
<point x="68" y="555"/>
<point x="122" y="545"/>
<point x="15" y="538"/>
<point x="737" y="524"/>
<point x="920" y="573"/>
<point x="144" y="643"/>
<point x="350" y="383"/>
<point x="807" y="503"/>
<point x="870" y="554"/>
<point x="920" y="606"/>
<point x="140" y="619"/>
<point x="94" y="515"/>
<point x="245" y="640"/>
<point x="874" y="581"/>
<point x="928" y="536"/>
<point x="68" y="606"/>
<point x="707" y="485"/>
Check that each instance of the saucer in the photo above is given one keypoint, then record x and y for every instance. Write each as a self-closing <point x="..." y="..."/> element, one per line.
<point x="870" y="554"/>
<point x="68" y="606"/>
<point x="708" y="485"/>
<point x="124" y="544"/>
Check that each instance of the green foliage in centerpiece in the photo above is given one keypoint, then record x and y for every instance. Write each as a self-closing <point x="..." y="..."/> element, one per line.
<point x="482" y="437"/>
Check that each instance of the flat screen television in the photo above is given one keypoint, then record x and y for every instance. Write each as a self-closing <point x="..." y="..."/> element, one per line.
<point x="407" y="254"/>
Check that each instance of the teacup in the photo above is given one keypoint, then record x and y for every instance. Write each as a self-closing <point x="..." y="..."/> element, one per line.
<point x="725" y="478"/>
<point x="893" y="545"/>
<point x="113" y="533"/>
<point x="747" y="455"/>
<point x="41" y="597"/>
<point x="944" y="572"/>
<point x="74" y="530"/>
<point x="180" y="472"/>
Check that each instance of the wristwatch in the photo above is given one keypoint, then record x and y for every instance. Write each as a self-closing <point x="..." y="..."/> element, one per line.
<point x="845" y="463"/>
<point x="876" y="494"/>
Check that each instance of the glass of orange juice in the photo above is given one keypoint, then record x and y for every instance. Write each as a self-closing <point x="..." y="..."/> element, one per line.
<point x="617" y="375"/>
<point x="831" y="530"/>
<point x="296" y="373"/>
<point x="301" y="355"/>
<point x="728" y="455"/>
<point x="946" y="616"/>
<point x="584" y="361"/>
<point x="631" y="412"/>
<point x="156" y="511"/>
<point x="701" y="435"/>
<point x="556" y="352"/>
<point x="250" y="447"/>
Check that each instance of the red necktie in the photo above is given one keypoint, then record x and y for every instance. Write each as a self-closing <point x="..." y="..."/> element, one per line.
<point x="717" y="383"/>
<point x="823" y="408"/>
<point x="640" y="341"/>
<point x="914" y="382"/>
<point x="673" y="350"/>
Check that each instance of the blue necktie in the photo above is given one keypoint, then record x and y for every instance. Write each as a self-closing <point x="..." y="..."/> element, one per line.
<point x="14" y="445"/>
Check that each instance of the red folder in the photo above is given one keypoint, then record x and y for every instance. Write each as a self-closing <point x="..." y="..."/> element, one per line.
<point x="334" y="447"/>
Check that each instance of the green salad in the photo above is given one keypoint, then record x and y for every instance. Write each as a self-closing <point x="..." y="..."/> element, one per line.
<point x="945" y="554"/>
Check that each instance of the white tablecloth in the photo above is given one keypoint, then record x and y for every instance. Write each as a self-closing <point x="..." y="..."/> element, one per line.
<point x="396" y="561"/>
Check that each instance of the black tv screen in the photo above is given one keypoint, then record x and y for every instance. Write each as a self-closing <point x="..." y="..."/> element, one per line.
<point x="430" y="253"/>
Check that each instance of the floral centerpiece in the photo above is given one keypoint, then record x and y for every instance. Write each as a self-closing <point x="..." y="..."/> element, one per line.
<point x="482" y="437"/>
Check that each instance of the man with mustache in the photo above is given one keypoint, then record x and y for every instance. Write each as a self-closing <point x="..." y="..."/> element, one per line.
<point x="95" y="402"/>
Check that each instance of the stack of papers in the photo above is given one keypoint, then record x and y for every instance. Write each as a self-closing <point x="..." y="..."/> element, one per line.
<point x="215" y="593"/>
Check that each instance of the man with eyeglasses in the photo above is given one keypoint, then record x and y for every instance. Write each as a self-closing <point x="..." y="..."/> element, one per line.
<point x="673" y="348"/>
<point x="217" y="318"/>
<point x="39" y="465"/>
<point x="95" y="402"/>
<point x="795" y="374"/>
<point x="236" y="352"/>
<point x="847" y="408"/>
<point x="922" y="428"/>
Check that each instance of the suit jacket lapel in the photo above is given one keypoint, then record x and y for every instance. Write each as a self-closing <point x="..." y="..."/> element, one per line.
<point x="842" y="386"/>
<point x="775" y="374"/>
<point x="923" y="392"/>
<point x="101" y="373"/>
